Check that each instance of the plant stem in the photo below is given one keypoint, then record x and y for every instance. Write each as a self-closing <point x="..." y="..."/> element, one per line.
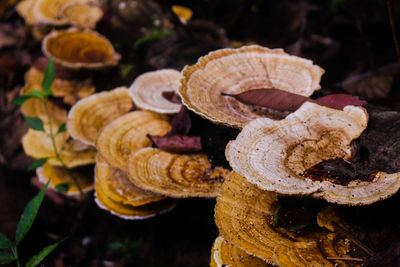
<point x="15" y="253"/>
<point x="393" y="27"/>
<point x="56" y="151"/>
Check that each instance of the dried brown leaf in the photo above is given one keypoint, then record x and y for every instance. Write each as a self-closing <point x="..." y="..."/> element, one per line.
<point x="339" y="101"/>
<point x="178" y="143"/>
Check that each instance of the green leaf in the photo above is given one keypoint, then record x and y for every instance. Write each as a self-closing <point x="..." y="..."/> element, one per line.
<point x="62" y="149"/>
<point x="35" y="260"/>
<point x="62" y="128"/>
<point x="29" y="215"/>
<point x="6" y="258"/>
<point x="37" y="163"/>
<point x="36" y="93"/>
<point x="48" y="78"/>
<point x="126" y="69"/>
<point x="152" y="35"/>
<point x="4" y="242"/>
<point x="35" y="123"/>
<point x="115" y="245"/>
<point x="62" y="187"/>
<point x="20" y="100"/>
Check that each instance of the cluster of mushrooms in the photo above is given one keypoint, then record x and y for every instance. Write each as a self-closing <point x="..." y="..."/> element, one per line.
<point x="109" y="134"/>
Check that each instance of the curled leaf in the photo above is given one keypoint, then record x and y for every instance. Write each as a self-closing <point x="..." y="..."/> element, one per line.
<point x="181" y="123"/>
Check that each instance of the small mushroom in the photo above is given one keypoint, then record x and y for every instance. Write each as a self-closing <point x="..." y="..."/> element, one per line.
<point x="84" y="15"/>
<point x="183" y="13"/>
<point x="61" y="176"/>
<point x="275" y="154"/>
<point x="89" y="115"/>
<point x="128" y="134"/>
<point x="244" y="216"/>
<point x="24" y="9"/>
<point x="37" y="144"/>
<point x="233" y="71"/>
<point x="69" y="90"/>
<point x="75" y="48"/>
<point x="224" y="253"/>
<point x="129" y="212"/>
<point x="149" y="89"/>
<point x="117" y="186"/>
<point x="175" y="175"/>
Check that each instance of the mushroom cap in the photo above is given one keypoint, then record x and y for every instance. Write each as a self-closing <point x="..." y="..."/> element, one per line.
<point x="60" y="175"/>
<point x="48" y="12"/>
<point x="174" y="175"/>
<point x="69" y="90"/>
<point x="244" y="216"/>
<point x="75" y="48"/>
<point x="147" y="90"/>
<point x="84" y="15"/>
<point x="89" y="115"/>
<point x="183" y="13"/>
<point x="37" y="144"/>
<point x="129" y="212"/>
<point x="34" y="107"/>
<point x="274" y="154"/>
<point x="234" y="71"/>
<point x="224" y="253"/>
<point x="128" y="133"/>
<point x="24" y="9"/>
<point x="117" y="186"/>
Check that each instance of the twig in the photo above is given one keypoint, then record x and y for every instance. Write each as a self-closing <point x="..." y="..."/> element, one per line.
<point x="353" y="239"/>
<point x="344" y="259"/>
<point x="393" y="26"/>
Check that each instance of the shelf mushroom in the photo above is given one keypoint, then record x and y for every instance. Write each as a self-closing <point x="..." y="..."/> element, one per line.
<point x="223" y="253"/>
<point x="128" y="133"/>
<point x="149" y="89"/>
<point x="89" y="115"/>
<point x="59" y="176"/>
<point x="233" y="71"/>
<point x="117" y="186"/>
<point x="275" y="155"/>
<point x="134" y="204"/>
<point x="37" y="144"/>
<point x="74" y="48"/>
<point x="84" y="15"/>
<point x="244" y="216"/>
<point x="175" y="175"/>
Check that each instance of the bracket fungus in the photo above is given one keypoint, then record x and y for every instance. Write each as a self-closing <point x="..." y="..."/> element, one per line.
<point x="84" y="15"/>
<point x="61" y="176"/>
<point x="89" y="115"/>
<point x="38" y="144"/>
<point x="128" y="133"/>
<point x="76" y="49"/>
<point x="244" y="216"/>
<point x="233" y="71"/>
<point x="129" y="212"/>
<point x="175" y="175"/>
<point x="223" y="253"/>
<point x="275" y="155"/>
<point x="117" y="186"/>
<point x="148" y="91"/>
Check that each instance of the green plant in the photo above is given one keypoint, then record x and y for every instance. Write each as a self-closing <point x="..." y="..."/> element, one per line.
<point x="9" y="249"/>
<point x="38" y="125"/>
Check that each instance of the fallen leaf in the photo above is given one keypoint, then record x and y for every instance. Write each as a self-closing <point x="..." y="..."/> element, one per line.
<point x="178" y="143"/>
<point x="181" y="123"/>
<point x="280" y="100"/>
<point x="271" y="98"/>
<point x="171" y="96"/>
<point x="339" y="101"/>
